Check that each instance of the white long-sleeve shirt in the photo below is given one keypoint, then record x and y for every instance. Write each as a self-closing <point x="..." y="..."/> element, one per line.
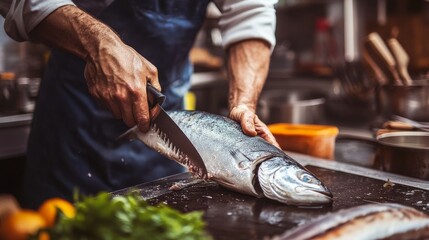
<point x="239" y="20"/>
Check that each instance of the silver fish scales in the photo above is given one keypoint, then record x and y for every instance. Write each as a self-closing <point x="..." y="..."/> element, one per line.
<point x="365" y="222"/>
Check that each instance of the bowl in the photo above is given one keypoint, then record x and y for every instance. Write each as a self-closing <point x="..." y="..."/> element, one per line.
<point x="407" y="101"/>
<point x="292" y="106"/>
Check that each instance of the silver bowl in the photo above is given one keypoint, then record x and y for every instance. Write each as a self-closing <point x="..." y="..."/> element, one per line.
<point x="292" y="106"/>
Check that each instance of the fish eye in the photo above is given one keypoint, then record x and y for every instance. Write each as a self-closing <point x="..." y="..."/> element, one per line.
<point x="306" y="178"/>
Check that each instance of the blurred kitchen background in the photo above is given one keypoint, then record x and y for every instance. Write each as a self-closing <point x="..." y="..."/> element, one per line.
<point x="317" y="75"/>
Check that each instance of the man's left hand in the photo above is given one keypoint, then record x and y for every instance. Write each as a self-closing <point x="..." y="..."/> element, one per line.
<point x="251" y="124"/>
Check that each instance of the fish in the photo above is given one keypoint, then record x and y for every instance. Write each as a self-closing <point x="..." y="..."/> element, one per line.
<point x="364" y="222"/>
<point x="245" y="164"/>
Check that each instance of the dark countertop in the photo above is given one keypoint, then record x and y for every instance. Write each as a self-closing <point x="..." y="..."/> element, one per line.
<point x="230" y="215"/>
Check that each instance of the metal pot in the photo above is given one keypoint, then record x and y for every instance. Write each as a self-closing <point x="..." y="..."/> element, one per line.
<point x="27" y="91"/>
<point x="407" y="101"/>
<point x="405" y="153"/>
<point x="292" y="106"/>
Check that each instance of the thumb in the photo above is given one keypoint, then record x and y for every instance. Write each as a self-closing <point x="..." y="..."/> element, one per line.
<point x="248" y="123"/>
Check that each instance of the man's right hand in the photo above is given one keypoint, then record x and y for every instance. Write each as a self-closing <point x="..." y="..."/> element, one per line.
<point x="117" y="76"/>
<point x="115" y="73"/>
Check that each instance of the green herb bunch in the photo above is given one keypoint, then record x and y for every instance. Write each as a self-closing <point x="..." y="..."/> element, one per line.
<point x="127" y="218"/>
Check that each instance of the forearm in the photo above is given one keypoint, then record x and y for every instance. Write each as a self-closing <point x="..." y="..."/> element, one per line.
<point x="248" y="64"/>
<point x="115" y="73"/>
<point x="248" y="68"/>
<point x="75" y="31"/>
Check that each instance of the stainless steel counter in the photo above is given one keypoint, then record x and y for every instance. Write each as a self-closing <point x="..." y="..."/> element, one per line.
<point x="14" y="131"/>
<point x="205" y="79"/>
<point x="211" y="91"/>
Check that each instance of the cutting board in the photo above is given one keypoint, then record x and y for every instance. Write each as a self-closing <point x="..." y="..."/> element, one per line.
<point x="231" y="215"/>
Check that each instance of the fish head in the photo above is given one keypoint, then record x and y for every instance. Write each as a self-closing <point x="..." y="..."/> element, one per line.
<point x="292" y="184"/>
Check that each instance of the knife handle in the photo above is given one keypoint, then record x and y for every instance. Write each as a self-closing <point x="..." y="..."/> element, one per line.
<point x="154" y="96"/>
<point x="383" y="52"/>
<point x="402" y="60"/>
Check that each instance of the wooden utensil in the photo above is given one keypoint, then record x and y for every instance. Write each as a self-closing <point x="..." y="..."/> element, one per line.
<point x="380" y="47"/>
<point x="402" y="60"/>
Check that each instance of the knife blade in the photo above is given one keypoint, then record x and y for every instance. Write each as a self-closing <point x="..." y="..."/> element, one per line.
<point x="170" y="132"/>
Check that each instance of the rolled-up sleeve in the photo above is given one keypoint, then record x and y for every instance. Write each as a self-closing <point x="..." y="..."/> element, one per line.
<point x="22" y="16"/>
<point x="247" y="19"/>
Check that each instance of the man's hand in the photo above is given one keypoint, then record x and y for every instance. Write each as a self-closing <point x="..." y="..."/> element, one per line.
<point x="115" y="73"/>
<point x="248" y="63"/>
<point x="251" y="124"/>
<point x="117" y="77"/>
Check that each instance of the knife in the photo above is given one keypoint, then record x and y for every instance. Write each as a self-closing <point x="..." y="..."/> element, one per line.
<point x="170" y="131"/>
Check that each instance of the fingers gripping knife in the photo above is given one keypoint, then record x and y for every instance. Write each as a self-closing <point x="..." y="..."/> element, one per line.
<point x="170" y="131"/>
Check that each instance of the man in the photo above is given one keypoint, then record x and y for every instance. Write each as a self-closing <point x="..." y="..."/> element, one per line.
<point x="110" y="56"/>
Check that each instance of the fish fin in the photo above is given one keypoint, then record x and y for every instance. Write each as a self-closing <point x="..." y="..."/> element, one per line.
<point x="238" y="155"/>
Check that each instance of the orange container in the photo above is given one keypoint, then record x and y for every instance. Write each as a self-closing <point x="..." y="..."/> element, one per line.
<point x="314" y="140"/>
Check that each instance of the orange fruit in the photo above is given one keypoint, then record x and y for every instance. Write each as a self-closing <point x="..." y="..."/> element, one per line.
<point x="21" y="224"/>
<point x="44" y="236"/>
<point x="49" y="210"/>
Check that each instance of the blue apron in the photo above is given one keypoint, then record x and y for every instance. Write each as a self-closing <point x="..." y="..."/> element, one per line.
<point x="72" y="143"/>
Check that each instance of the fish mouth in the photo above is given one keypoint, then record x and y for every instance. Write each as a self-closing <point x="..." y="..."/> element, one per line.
<point x="325" y="197"/>
<point x="318" y="196"/>
<point x="325" y="193"/>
